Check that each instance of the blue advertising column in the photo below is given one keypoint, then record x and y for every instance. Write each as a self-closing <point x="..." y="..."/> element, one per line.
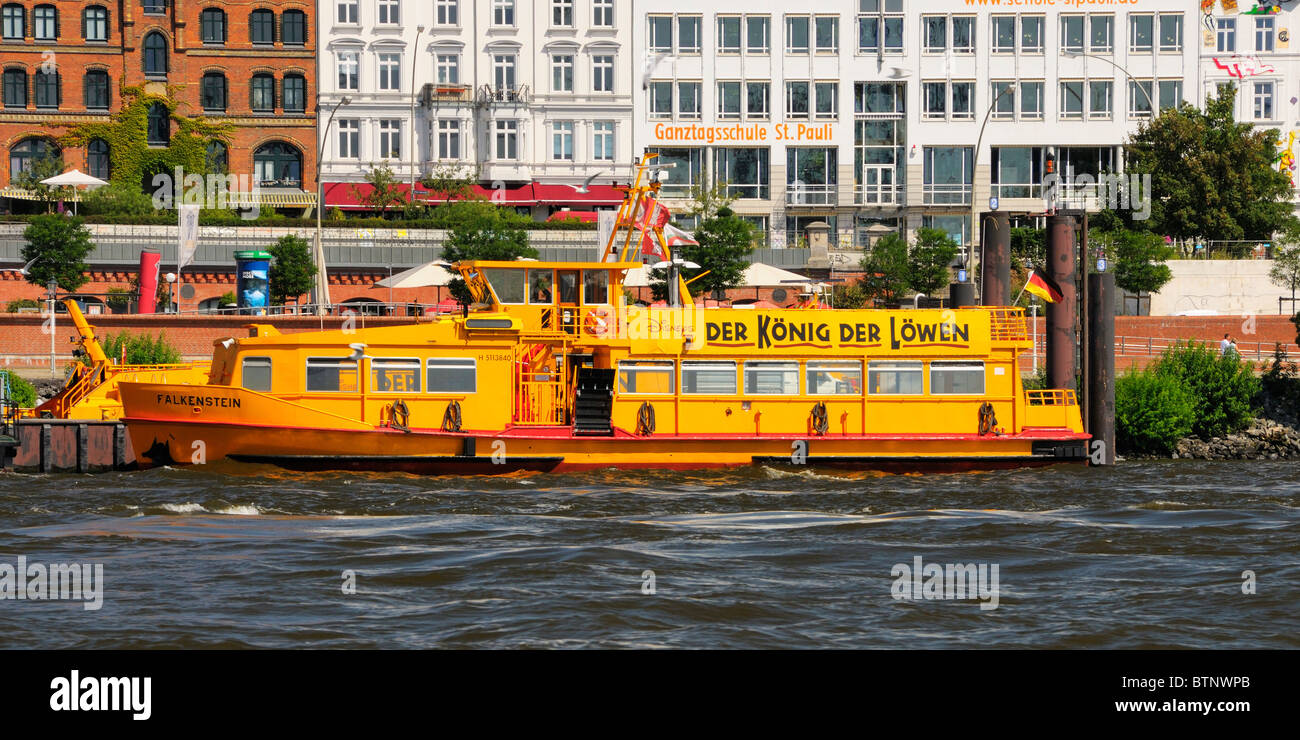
<point x="253" y="283"/>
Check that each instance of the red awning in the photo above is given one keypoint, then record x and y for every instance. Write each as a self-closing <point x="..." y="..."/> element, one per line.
<point x="567" y="194"/>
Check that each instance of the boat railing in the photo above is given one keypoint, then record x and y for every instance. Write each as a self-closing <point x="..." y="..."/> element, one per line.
<point x="1051" y="397"/>
<point x="1008" y="324"/>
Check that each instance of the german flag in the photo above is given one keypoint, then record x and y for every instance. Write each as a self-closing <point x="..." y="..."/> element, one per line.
<point x="1043" y="287"/>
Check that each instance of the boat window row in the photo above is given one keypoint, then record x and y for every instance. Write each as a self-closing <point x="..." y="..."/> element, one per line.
<point x="782" y="378"/>
<point x="549" y="286"/>
<point x="387" y="375"/>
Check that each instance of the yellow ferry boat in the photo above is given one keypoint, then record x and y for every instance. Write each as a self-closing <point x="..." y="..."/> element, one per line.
<point x="552" y="369"/>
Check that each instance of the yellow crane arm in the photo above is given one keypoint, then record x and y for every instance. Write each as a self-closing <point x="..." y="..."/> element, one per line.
<point x="88" y="341"/>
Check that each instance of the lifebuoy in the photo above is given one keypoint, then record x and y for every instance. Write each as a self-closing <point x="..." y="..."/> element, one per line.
<point x="596" y="324"/>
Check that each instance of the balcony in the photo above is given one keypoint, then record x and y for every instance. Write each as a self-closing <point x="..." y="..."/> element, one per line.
<point x="881" y="194"/>
<point x="811" y="196"/>
<point x="492" y="95"/>
<point x="431" y="95"/>
<point x="946" y="194"/>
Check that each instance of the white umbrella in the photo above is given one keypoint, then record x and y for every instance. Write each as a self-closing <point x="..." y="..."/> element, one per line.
<point x="759" y="275"/>
<point x="73" y="178"/>
<point x="426" y="275"/>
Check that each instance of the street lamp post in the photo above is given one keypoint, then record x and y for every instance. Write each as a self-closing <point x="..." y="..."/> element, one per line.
<point x="322" y="297"/>
<point x="53" y="287"/>
<point x="415" y="162"/>
<point x="974" y="204"/>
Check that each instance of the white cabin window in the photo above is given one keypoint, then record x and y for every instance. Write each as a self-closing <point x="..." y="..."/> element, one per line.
<point x="392" y="375"/>
<point x="957" y="378"/>
<point x="711" y="378"/>
<point x="772" y="378"/>
<point x="331" y="374"/>
<point x="834" y="378"/>
<point x="642" y="377"/>
<point x="452" y="375"/>
<point x="894" y="378"/>
<point x="507" y="283"/>
<point x="257" y="374"/>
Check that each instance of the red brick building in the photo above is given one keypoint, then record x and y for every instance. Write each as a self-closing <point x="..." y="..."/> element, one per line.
<point x="248" y="62"/>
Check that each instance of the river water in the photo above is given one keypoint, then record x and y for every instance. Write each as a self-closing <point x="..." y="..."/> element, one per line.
<point x="1147" y="554"/>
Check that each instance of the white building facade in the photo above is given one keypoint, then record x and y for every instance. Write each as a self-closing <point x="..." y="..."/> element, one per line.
<point x="879" y="115"/>
<point x="531" y="96"/>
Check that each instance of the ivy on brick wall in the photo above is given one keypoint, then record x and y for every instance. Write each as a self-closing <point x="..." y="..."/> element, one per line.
<point x="127" y="133"/>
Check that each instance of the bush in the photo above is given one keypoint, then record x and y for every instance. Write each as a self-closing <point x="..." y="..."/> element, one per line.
<point x="21" y="392"/>
<point x="1223" y="388"/>
<point x="141" y="349"/>
<point x="13" y="306"/>
<point x="1152" y="412"/>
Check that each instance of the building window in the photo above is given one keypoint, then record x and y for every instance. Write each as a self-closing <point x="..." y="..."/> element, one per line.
<point x="880" y="26"/>
<point x="448" y="69"/>
<point x="97" y="159"/>
<point x="1072" y="33"/>
<point x="15" y="22"/>
<point x="562" y="141"/>
<point x="1171" y="93"/>
<point x="96" y="90"/>
<point x="745" y="171"/>
<point x="1102" y="34"/>
<point x="278" y="164"/>
<point x="948" y="100"/>
<point x="447" y="13"/>
<point x="1101" y="103"/>
<point x="661" y="100"/>
<point x="390" y="71"/>
<point x="602" y="13"/>
<point x="1264" y="33"/>
<point x="261" y="27"/>
<point x="1017" y="172"/>
<point x="1140" y="98"/>
<point x="562" y="13"/>
<point x="154" y="7"/>
<point x="347" y="12"/>
<point x="1263" y="101"/>
<point x="935" y="30"/>
<point x="45" y="23"/>
<point x="826" y="100"/>
<point x="503" y="71"/>
<point x="349" y="138"/>
<point x="1031" y="34"/>
<point x="1141" y="31"/>
<point x="503" y="12"/>
<point x="562" y="73"/>
<point x="728" y="34"/>
<point x="947" y="175"/>
<point x="1031" y="100"/>
<point x="212" y="26"/>
<point x="758" y="99"/>
<point x="216" y="157"/>
<point x="155" y="55"/>
<point x="602" y="74"/>
<point x="1072" y="103"/>
<point x="758" y="34"/>
<point x="878" y="157"/>
<point x="25" y="153"/>
<point x="15" y="88"/>
<point x="1004" y="34"/>
<point x="796" y="100"/>
<point x="507" y="140"/>
<point x="879" y="97"/>
<point x="159" y="131"/>
<point x="894" y="378"/>
<point x="688" y="99"/>
<point x="390" y="12"/>
<point x="797" y="39"/>
<point x="293" y="27"/>
<point x="1225" y="35"/>
<point x="826" y="36"/>
<point x="448" y="139"/>
<point x="294" y="99"/>
<point x="688" y="172"/>
<point x="349" y="69"/>
<point x="213" y="92"/>
<point x="262" y="88"/>
<point x="1171" y="32"/>
<point x="661" y="34"/>
<point x="602" y="144"/>
<point x="94" y="23"/>
<point x="46" y="88"/>
<point x="689" y="39"/>
<point x="811" y="175"/>
<point x="1004" y="100"/>
<point x="729" y="101"/>
<point x="390" y="138"/>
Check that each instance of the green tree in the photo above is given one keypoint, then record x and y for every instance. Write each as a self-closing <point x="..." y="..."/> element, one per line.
<point x="725" y="243"/>
<point x="491" y="236"/>
<point x="1152" y="413"/>
<point x="1028" y="247"/>
<point x="1212" y="178"/>
<point x="140" y="349"/>
<point x="452" y="181"/>
<point x="928" y="262"/>
<point x="117" y="199"/>
<point x="293" y="271"/>
<point x="1285" y="272"/>
<point x="849" y="295"/>
<point x="43" y="168"/>
<point x="1223" y="387"/>
<point x="1139" y="258"/>
<point x="385" y="190"/>
<point x="21" y="392"/>
<point x="706" y="199"/>
<point x="887" y="269"/>
<point x="59" y="246"/>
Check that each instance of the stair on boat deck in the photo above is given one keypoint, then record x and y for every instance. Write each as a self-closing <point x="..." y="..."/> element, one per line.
<point x="593" y="402"/>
